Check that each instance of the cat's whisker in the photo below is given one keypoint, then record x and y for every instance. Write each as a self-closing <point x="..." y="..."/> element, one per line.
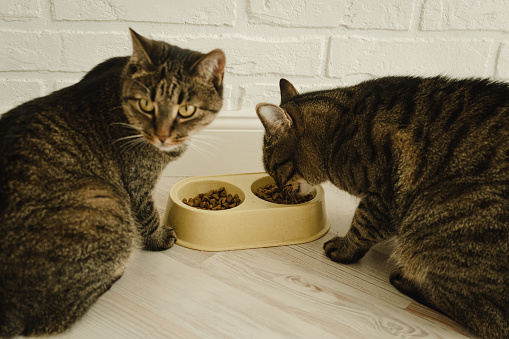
<point x="201" y="143"/>
<point x="201" y="140"/>
<point x="132" y="143"/>
<point x="211" y="137"/>
<point x="128" y="137"/>
<point x="206" y="147"/>
<point x="199" y="149"/>
<point x="127" y="125"/>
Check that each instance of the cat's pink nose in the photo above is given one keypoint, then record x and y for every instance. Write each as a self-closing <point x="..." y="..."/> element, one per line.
<point x="162" y="138"/>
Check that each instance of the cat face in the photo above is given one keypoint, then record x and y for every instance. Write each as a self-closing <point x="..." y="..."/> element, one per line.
<point x="170" y="93"/>
<point x="281" y="158"/>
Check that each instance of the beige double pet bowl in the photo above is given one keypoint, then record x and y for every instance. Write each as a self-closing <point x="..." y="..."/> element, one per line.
<point x="254" y="223"/>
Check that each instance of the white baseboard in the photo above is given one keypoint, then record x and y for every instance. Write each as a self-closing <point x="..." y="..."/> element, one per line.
<point x="230" y="145"/>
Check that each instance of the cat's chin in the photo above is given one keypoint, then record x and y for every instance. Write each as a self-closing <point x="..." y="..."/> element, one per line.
<point x="305" y="188"/>
<point x="172" y="149"/>
<point x="299" y="185"/>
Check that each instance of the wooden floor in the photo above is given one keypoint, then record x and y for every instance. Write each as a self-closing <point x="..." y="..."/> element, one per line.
<point x="279" y="292"/>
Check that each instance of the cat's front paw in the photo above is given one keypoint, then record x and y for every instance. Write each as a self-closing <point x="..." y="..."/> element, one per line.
<point x="340" y="250"/>
<point x="162" y="239"/>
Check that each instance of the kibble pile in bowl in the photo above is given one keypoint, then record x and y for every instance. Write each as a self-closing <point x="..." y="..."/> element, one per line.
<point x="214" y="200"/>
<point x="272" y="193"/>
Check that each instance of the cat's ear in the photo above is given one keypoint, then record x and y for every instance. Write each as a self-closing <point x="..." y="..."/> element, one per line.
<point x="145" y="51"/>
<point x="211" y="66"/>
<point x="274" y="119"/>
<point x="287" y="90"/>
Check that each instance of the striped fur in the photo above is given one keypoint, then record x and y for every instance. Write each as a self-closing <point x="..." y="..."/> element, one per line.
<point x="77" y="168"/>
<point x="429" y="158"/>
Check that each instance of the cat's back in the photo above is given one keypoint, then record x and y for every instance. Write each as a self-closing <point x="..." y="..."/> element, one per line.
<point x="458" y="127"/>
<point x="79" y="107"/>
<point x="448" y="119"/>
<point x="422" y="131"/>
<point x="59" y="137"/>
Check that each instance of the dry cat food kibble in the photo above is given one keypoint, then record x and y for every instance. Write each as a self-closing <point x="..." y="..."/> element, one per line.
<point x="214" y="200"/>
<point x="272" y="193"/>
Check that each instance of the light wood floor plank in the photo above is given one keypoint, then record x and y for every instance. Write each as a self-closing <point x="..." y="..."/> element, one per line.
<point x="277" y="292"/>
<point x="338" y="307"/>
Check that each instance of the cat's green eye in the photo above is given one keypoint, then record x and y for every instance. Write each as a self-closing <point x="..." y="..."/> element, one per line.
<point x="146" y="106"/>
<point x="187" y="111"/>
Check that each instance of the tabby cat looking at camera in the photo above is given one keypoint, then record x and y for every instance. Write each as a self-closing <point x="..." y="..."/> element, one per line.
<point x="77" y="168"/>
<point x="429" y="158"/>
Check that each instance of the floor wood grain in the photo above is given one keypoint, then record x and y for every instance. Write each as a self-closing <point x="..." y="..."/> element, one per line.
<point x="277" y="292"/>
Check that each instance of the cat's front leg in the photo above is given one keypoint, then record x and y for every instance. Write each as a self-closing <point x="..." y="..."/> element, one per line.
<point x="370" y="224"/>
<point x="156" y="237"/>
<point x="162" y="238"/>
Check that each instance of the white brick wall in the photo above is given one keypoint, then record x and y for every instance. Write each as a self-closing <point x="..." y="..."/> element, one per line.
<point x="314" y="43"/>
<point x="19" y="10"/>
<point x="48" y="44"/>
<point x="199" y="12"/>
<point x="491" y="15"/>
<point x="376" y="57"/>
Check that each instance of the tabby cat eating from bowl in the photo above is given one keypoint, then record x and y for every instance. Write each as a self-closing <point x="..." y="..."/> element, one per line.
<point x="429" y="158"/>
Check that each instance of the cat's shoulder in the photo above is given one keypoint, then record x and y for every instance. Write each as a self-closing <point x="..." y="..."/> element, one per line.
<point x="110" y="66"/>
